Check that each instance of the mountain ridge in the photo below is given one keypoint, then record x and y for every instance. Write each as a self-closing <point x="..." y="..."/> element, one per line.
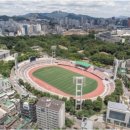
<point x="52" y="15"/>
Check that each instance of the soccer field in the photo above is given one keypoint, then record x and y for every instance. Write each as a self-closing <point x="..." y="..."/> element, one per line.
<point x="62" y="79"/>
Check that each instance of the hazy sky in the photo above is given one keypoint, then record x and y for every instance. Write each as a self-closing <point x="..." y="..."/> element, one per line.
<point x="98" y="8"/>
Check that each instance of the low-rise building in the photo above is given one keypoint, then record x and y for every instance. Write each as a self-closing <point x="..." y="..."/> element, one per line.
<point x="87" y="124"/>
<point x="8" y="106"/>
<point x="5" y="84"/>
<point x="50" y="113"/>
<point x="118" y="113"/>
<point x="4" y="54"/>
<point x="3" y="95"/>
<point x="5" y="88"/>
<point x="3" y="116"/>
<point x="123" y="32"/>
<point x="17" y="104"/>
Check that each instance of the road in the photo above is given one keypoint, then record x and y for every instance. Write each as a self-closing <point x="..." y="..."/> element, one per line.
<point x="14" y="82"/>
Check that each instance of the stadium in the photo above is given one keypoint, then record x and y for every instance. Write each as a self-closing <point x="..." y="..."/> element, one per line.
<point x="56" y="77"/>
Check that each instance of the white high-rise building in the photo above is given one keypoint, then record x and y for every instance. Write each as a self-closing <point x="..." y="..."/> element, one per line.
<point x="39" y="28"/>
<point x="50" y="113"/>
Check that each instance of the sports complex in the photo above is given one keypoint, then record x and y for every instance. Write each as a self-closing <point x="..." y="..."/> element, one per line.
<point x="56" y="77"/>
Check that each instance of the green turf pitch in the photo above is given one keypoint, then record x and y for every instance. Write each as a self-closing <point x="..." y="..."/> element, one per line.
<point x="63" y="79"/>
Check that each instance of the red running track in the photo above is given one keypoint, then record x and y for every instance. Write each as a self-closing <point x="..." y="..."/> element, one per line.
<point x="97" y="92"/>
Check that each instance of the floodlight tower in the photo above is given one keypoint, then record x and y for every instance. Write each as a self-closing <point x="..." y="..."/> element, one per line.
<point x="116" y="65"/>
<point x="53" y="48"/>
<point x="16" y="61"/>
<point x="79" y="82"/>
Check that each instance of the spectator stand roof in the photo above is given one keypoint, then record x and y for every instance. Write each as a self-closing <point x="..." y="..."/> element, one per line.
<point x="83" y="64"/>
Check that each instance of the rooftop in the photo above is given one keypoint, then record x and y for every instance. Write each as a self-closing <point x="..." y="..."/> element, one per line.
<point x="4" y="51"/>
<point x="50" y="103"/>
<point x="9" y="119"/>
<point x="87" y="124"/>
<point x="118" y="106"/>
<point x="7" y="103"/>
<point x="2" y="112"/>
<point x="2" y="94"/>
<point x="81" y="63"/>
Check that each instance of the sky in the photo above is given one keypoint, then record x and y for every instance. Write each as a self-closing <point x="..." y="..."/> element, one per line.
<point x="96" y="8"/>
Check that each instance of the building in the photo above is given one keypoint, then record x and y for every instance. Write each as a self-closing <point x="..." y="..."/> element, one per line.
<point x="28" y="108"/>
<point x="3" y="95"/>
<point x="3" y="116"/>
<point x="4" y="54"/>
<point x="87" y="124"/>
<point x="5" y="84"/>
<point x="50" y="113"/>
<point x="37" y="28"/>
<point x="5" y="87"/>
<point x="75" y="32"/>
<point x="25" y="29"/>
<point x="128" y="65"/>
<point x="108" y="37"/>
<point x="128" y="22"/>
<point x="8" y="106"/>
<point x="118" y="114"/>
<point x="123" y="32"/>
<point x="17" y="104"/>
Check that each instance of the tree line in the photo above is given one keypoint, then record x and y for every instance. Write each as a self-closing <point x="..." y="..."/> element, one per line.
<point x="96" y="50"/>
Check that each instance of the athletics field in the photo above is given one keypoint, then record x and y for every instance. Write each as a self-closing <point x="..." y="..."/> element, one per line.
<point x="62" y="79"/>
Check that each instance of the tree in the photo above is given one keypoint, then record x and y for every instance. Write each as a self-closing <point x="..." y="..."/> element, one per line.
<point x="72" y="110"/>
<point x="21" y="82"/>
<point x="68" y="105"/>
<point x="80" y="114"/>
<point x="97" y="105"/>
<point x="17" y="96"/>
<point x="103" y="58"/>
<point x="88" y="104"/>
<point x="99" y="99"/>
<point x="68" y="122"/>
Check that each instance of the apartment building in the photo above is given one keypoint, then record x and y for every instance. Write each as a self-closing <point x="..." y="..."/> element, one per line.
<point x="50" y="113"/>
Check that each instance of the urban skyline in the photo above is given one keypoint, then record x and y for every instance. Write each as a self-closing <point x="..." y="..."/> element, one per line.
<point x="100" y="8"/>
